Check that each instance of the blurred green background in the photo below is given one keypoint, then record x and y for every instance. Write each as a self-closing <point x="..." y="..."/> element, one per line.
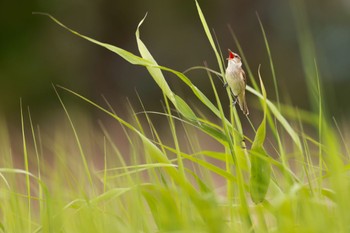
<point x="36" y="52"/>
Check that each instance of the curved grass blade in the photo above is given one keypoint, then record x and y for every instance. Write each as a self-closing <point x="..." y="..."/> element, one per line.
<point x="26" y="165"/>
<point x="155" y="72"/>
<point x="81" y="151"/>
<point x="26" y="173"/>
<point x="260" y="168"/>
<point x="130" y="57"/>
<point x="158" y="77"/>
<point x="270" y="59"/>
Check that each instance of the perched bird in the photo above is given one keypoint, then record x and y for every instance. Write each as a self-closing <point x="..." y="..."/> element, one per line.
<point x="236" y="80"/>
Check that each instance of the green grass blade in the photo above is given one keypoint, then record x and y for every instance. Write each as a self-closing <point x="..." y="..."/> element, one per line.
<point x="158" y="77"/>
<point x="210" y="38"/>
<point x="172" y="127"/>
<point x="82" y="153"/>
<point x="307" y="49"/>
<point x="260" y="168"/>
<point x="26" y="165"/>
<point x="270" y="60"/>
<point x="131" y="58"/>
<point x="155" y="72"/>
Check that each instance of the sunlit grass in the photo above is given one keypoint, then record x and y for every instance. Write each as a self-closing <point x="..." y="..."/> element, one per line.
<point x="301" y="185"/>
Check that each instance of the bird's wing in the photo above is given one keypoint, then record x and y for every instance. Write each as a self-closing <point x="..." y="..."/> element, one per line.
<point x="244" y="78"/>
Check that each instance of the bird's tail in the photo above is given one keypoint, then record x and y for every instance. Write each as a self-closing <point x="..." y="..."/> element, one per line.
<point x="243" y="103"/>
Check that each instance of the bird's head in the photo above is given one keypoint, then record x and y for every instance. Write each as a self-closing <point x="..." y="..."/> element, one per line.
<point x="234" y="57"/>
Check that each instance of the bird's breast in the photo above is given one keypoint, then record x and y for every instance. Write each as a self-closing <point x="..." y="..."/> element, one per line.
<point x="235" y="81"/>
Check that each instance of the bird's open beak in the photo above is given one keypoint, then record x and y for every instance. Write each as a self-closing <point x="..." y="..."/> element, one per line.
<point x="229" y="51"/>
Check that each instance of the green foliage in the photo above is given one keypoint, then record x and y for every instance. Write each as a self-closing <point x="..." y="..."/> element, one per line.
<point x="301" y="186"/>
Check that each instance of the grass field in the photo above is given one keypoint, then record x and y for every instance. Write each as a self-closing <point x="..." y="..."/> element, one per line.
<point x="301" y="185"/>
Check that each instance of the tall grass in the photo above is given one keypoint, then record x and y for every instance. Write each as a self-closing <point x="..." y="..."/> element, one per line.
<point x="301" y="186"/>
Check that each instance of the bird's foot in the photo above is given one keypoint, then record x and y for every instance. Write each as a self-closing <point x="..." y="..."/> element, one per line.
<point x="225" y="85"/>
<point x="234" y="102"/>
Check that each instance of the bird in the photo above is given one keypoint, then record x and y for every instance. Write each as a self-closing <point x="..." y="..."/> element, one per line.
<point x="236" y="80"/>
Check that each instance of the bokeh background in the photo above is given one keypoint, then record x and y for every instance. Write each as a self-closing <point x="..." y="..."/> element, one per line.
<point x="36" y="53"/>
